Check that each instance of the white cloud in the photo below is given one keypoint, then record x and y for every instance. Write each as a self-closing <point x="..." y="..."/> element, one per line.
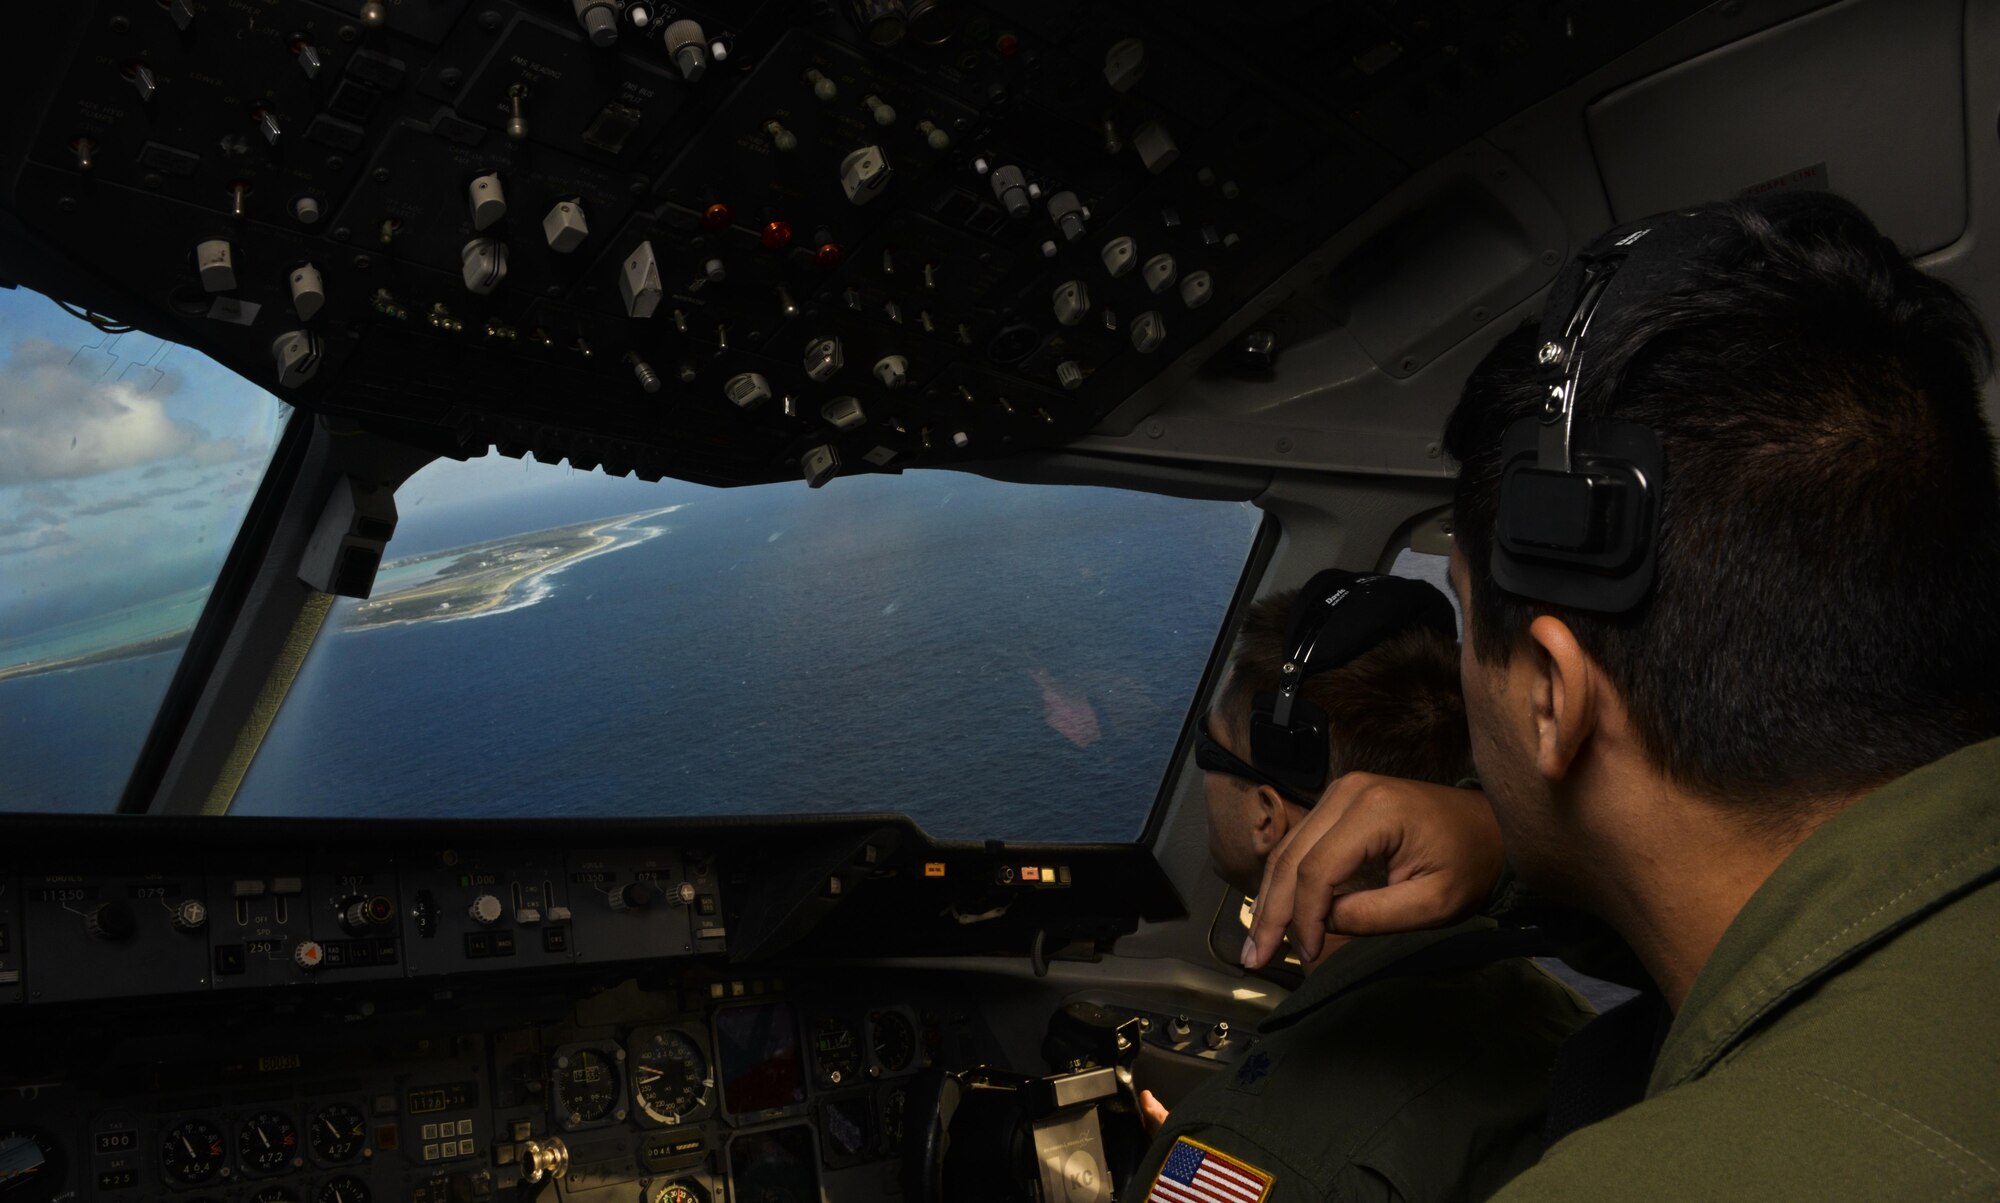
<point x="62" y="421"/>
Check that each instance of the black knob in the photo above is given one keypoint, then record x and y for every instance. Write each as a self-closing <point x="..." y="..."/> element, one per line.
<point x="111" y="921"/>
<point x="1256" y="353"/>
<point x="632" y="897"/>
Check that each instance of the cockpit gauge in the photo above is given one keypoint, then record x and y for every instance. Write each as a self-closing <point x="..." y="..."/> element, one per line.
<point x="893" y="1040"/>
<point x="589" y="1081"/>
<point x="276" y="1194"/>
<point x="678" y="1192"/>
<point x="894" y="1100"/>
<point x="836" y="1051"/>
<point x="31" y="1166"/>
<point x="267" y="1142"/>
<point x="336" y="1133"/>
<point x="342" y="1190"/>
<point x="670" y="1075"/>
<point x="192" y="1153"/>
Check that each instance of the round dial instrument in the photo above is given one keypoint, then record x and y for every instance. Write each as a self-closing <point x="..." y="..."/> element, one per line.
<point x="40" y="1176"/>
<point x="337" y="1133"/>
<point x="837" y="1051"/>
<point x="893" y="1039"/>
<point x="342" y="1190"/>
<point x="587" y="1086"/>
<point x="893" y="1103"/>
<point x="679" y="1192"/>
<point x="267" y="1142"/>
<point x="670" y="1075"/>
<point x="192" y="1153"/>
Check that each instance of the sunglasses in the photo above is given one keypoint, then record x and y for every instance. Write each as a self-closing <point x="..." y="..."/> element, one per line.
<point x="1211" y="757"/>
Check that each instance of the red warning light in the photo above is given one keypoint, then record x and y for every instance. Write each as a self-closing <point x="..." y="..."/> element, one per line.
<point x="776" y="236"/>
<point x="718" y="217"/>
<point x="829" y="256"/>
<point x="1008" y="45"/>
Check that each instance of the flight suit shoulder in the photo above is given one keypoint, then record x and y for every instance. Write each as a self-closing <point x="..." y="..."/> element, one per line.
<point x="1770" y="1133"/>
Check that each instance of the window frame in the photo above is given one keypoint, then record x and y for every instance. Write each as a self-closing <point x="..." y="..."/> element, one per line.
<point x="1263" y="546"/>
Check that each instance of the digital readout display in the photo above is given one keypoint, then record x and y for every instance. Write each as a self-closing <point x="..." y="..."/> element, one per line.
<point x="452" y="1096"/>
<point x="759" y="1051"/>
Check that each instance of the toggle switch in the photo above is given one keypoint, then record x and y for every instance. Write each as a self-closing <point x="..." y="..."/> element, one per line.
<point x="1010" y="188"/>
<point x="746" y="390"/>
<point x="649" y="381"/>
<point x="782" y="139"/>
<point x="564" y="226"/>
<point x="844" y="413"/>
<point x="823" y="359"/>
<point x="267" y="124"/>
<point x="483" y="265"/>
<point x="1160" y="272"/>
<point x="688" y="47"/>
<point x="1149" y="330"/>
<point x="1072" y="302"/>
<point x="1196" y="289"/>
<point x="297" y="353"/>
<point x="893" y="371"/>
<point x="143" y="81"/>
<point x="517" y="112"/>
<point x="639" y="284"/>
<point x="880" y="109"/>
<point x="824" y="89"/>
<point x="935" y="138"/>
<point x="308" y="292"/>
<point x="1119" y="255"/>
<point x="215" y="260"/>
<point x="1155" y="146"/>
<point x="864" y="174"/>
<point x="487" y="199"/>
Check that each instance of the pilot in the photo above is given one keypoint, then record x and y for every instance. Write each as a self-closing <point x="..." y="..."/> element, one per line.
<point x="1409" y="1067"/>
<point x="1772" y="766"/>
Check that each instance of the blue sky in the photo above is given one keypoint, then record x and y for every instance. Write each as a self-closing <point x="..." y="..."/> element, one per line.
<point x="127" y="463"/>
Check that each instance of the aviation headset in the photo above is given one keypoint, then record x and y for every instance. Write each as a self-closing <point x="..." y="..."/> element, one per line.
<point x="1338" y="616"/>
<point x="1578" y="518"/>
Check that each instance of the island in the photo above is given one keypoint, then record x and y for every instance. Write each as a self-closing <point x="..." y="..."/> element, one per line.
<point x="495" y="576"/>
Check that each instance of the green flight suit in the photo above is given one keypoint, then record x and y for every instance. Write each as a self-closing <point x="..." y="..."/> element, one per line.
<point x="1414" y="1086"/>
<point x="1843" y="1042"/>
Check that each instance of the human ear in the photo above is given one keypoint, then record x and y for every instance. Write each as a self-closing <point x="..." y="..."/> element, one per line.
<point x="1564" y="696"/>
<point x="1270" y="820"/>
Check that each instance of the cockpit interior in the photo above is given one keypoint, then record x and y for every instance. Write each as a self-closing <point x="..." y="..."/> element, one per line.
<point x="609" y="600"/>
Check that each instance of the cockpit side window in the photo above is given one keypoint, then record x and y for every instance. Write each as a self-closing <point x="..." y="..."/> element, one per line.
<point x="998" y="661"/>
<point x="126" y="465"/>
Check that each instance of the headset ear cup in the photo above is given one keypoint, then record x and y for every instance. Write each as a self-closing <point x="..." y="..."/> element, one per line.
<point x="1295" y="755"/>
<point x="1588" y="538"/>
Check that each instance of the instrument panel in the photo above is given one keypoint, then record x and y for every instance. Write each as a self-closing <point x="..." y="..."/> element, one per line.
<point x="700" y="1091"/>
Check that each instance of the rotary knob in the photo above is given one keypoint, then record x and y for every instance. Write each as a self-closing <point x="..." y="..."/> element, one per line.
<point x="366" y="914"/>
<point x="111" y="921"/>
<point x="684" y="893"/>
<point x="190" y="915"/>
<point x="636" y="896"/>
<point x="485" y="910"/>
<point x="307" y="954"/>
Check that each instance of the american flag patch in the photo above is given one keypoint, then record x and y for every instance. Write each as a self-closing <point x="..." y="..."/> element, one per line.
<point x="1195" y="1173"/>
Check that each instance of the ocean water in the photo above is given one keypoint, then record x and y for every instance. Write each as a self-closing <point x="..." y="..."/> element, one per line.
<point x="996" y="661"/>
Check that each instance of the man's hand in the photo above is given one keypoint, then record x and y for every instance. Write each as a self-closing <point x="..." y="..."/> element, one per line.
<point x="1378" y="854"/>
<point x="1152" y="1113"/>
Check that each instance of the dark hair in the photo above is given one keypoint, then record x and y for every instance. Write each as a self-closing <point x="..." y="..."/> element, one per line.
<point x="1396" y="709"/>
<point x="1826" y="615"/>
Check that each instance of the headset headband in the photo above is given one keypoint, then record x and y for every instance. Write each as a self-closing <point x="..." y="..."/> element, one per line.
<point x="1578" y="516"/>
